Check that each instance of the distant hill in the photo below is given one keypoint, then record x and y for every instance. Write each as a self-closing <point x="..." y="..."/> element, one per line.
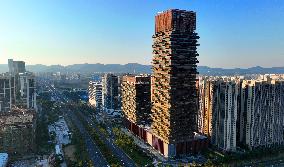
<point x="139" y="68"/>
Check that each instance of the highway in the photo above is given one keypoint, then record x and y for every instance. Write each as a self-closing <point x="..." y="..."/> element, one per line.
<point x="119" y="153"/>
<point x="94" y="152"/>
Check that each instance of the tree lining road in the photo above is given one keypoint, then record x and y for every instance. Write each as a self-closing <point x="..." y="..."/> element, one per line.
<point x="93" y="150"/>
<point x="96" y="156"/>
<point x="128" y="162"/>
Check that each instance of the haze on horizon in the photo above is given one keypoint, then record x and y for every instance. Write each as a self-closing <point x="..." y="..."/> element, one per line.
<point x="238" y="33"/>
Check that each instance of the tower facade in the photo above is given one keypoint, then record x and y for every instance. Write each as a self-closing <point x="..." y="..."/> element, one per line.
<point x="110" y="92"/>
<point x="136" y="95"/>
<point x="174" y="94"/>
<point x="224" y="113"/>
<point x="205" y="106"/>
<point x="262" y="113"/>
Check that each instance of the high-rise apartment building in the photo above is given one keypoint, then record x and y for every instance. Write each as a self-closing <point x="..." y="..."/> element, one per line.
<point x="16" y="67"/>
<point x="224" y="114"/>
<point x="244" y="113"/>
<point x="7" y="92"/>
<point x="218" y="111"/>
<point x="136" y="99"/>
<point x="110" y="92"/>
<point x="174" y="94"/>
<point x="205" y="106"/>
<point x="24" y="86"/>
<point x="262" y="113"/>
<point x="95" y="94"/>
<point x="27" y="90"/>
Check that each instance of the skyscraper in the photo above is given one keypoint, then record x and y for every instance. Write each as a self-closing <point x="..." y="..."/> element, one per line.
<point x="174" y="94"/>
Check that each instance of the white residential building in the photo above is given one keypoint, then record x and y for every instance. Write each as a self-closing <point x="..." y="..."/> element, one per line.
<point x="262" y="113"/>
<point x="224" y="114"/>
<point x="95" y="94"/>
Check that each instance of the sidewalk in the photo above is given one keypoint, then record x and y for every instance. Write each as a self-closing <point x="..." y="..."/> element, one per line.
<point x="145" y="146"/>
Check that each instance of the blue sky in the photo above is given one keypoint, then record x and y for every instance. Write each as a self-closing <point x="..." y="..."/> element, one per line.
<point x="233" y="33"/>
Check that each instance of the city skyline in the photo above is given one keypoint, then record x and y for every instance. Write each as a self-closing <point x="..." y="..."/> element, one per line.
<point x="173" y="111"/>
<point x="95" y="32"/>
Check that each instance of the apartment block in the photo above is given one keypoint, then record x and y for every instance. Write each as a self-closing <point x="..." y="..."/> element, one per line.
<point x="224" y="115"/>
<point x="205" y="106"/>
<point x="17" y="131"/>
<point x="136" y="99"/>
<point x="262" y="113"/>
<point x="95" y="94"/>
<point x="218" y="111"/>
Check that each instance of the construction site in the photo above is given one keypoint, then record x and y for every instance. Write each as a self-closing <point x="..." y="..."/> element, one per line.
<point x="17" y="131"/>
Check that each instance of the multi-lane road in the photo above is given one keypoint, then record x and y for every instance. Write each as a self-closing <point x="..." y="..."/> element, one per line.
<point x="119" y="153"/>
<point x="93" y="150"/>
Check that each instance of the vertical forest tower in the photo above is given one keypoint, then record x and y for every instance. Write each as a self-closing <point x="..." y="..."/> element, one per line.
<point x="174" y="93"/>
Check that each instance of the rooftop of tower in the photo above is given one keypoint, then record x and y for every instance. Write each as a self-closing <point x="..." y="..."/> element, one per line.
<point x="175" y="20"/>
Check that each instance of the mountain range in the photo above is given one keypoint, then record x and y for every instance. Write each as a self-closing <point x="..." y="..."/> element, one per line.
<point x="139" y="68"/>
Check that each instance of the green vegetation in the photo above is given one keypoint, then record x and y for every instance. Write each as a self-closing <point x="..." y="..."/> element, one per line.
<point x="112" y="160"/>
<point x="127" y="144"/>
<point x="232" y="159"/>
<point x="81" y="154"/>
<point x="107" y="153"/>
<point x="43" y="140"/>
<point x="42" y="137"/>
